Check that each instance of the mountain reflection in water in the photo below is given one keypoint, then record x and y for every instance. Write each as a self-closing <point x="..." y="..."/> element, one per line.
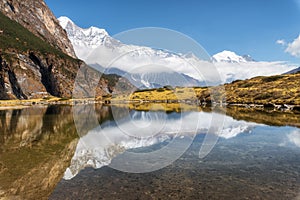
<point x="257" y="153"/>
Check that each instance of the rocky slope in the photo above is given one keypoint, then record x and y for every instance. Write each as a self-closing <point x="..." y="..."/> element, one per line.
<point x="38" y="18"/>
<point x="31" y="68"/>
<point x="280" y="89"/>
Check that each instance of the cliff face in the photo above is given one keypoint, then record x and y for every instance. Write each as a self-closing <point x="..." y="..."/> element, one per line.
<point x="31" y="68"/>
<point x="33" y="75"/>
<point x="35" y="16"/>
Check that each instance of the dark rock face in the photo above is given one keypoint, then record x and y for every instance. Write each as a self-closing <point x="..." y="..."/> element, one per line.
<point x="33" y="75"/>
<point x="38" y="18"/>
<point x="47" y="76"/>
<point x="8" y="82"/>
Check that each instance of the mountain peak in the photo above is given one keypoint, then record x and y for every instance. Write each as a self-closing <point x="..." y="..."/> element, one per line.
<point x="231" y="57"/>
<point x="66" y="23"/>
<point x="83" y="40"/>
<point x="94" y="31"/>
<point x="63" y="21"/>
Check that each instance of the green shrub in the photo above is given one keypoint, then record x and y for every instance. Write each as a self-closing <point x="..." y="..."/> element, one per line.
<point x="160" y="90"/>
<point x="64" y="99"/>
<point x="271" y="78"/>
<point x="47" y="98"/>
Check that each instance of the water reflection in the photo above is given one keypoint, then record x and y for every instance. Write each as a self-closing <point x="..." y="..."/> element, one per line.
<point x="294" y="138"/>
<point x="36" y="147"/>
<point x="265" y="116"/>
<point x="143" y="129"/>
<point x="248" y="166"/>
<point x="257" y="153"/>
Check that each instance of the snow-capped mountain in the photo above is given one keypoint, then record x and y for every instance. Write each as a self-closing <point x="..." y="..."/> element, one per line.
<point x="91" y="37"/>
<point x="97" y="48"/>
<point x="294" y="71"/>
<point x="86" y="40"/>
<point x="231" y="57"/>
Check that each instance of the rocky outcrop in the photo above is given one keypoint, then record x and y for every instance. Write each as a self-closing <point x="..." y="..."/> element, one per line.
<point x="38" y="18"/>
<point x="33" y="75"/>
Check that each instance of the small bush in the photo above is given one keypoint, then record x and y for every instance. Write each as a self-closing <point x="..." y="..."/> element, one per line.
<point x="247" y="85"/>
<point x="271" y="78"/>
<point x="47" y="98"/>
<point x="64" y="99"/>
<point x="168" y="87"/>
<point x="160" y="90"/>
<point x="262" y="96"/>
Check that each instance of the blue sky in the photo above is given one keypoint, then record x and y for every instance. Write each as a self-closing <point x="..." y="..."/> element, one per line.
<point x="243" y="26"/>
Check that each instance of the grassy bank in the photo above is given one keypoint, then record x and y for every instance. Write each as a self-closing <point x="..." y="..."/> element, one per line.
<point x="6" y="104"/>
<point x="280" y="89"/>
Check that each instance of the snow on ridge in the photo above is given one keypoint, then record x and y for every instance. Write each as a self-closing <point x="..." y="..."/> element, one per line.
<point x="63" y="21"/>
<point x="96" y="46"/>
<point x="231" y="57"/>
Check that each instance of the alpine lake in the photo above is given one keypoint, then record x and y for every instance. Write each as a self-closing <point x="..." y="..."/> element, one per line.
<point x="158" y="151"/>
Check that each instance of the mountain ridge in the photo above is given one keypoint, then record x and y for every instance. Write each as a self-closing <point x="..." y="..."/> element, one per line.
<point x="96" y="40"/>
<point x="224" y="67"/>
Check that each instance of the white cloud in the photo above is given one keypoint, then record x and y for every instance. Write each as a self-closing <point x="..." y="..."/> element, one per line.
<point x="212" y="73"/>
<point x="234" y="71"/>
<point x="293" y="48"/>
<point x="281" y="42"/>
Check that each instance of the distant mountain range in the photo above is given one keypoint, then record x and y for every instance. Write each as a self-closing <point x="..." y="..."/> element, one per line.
<point x="92" y="42"/>
<point x="97" y="48"/>
<point x="293" y="71"/>
<point x="85" y="41"/>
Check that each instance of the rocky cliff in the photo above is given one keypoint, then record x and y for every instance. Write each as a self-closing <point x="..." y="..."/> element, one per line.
<point x="35" y="16"/>
<point x="32" y="68"/>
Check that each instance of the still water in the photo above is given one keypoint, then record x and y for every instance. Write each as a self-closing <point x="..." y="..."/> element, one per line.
<point x="59" y="152"/>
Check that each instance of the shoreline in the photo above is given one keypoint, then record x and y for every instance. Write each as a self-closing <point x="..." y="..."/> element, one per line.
<point x="49" y="101"/>
<point x="278" y="106"/>
<point x="19" y="104"/>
